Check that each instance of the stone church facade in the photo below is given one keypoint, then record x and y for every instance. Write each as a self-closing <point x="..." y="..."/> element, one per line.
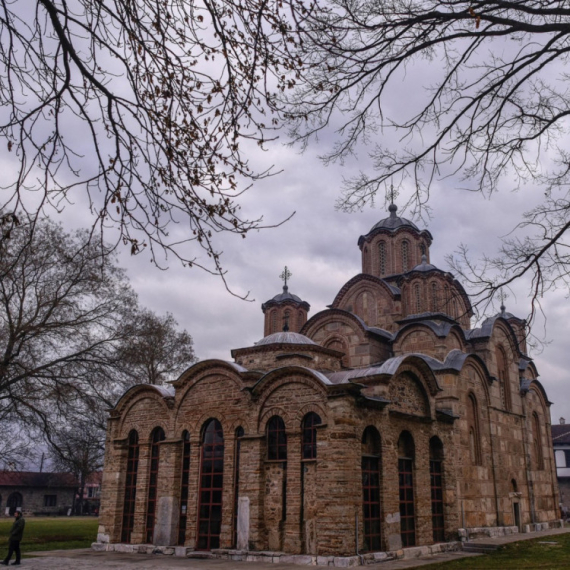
<point x="382" y="422"/>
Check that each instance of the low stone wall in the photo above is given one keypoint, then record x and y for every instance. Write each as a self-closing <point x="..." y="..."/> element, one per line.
<point x="277" y="557"/>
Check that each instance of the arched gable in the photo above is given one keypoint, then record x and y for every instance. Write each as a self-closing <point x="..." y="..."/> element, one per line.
<point x="422" y="336"/>
<point x="156" y="401"/>
<point x="314" y="383"/>
<point x="475" y="372"/>
<point x="421" y="365"/>
<point x="191" y="373"/>
<point x="361" y="282"/>
<point x="138" y="391"/>
<point x="408" y="394"/>
<point x="538" y="389"/>
<point x="322" y="321"/>
<point x="212" y="381"/>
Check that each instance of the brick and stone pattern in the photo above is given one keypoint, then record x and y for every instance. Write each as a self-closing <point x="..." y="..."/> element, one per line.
<point x="375" y="363"/>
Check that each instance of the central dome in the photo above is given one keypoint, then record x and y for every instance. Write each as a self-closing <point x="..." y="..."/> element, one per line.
<point x="285" y="338"/>
<point x="393" y="221"/>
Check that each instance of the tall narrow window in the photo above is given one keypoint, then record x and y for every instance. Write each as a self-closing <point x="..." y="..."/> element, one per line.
<point x="406" y="452"/>
<point x="537" y="441"/>
<point x="371" y="489"/>
<point x="418" y="298"/>
<point x="503" y="373"/>
<point x="405" y="255"/>
<point x="436" y="483"/>
<point x="184" y="480"/>
<point x="310" y="423"/>
<point x="239" y="435"/>
<point x="473" y="430"/>
<point x="287" y="324"/>
<point x="434" y="304"/>
<point x="382" y="258"/>
<point x="276" y="439"/>
<point x="156" y="437"/>
<point x="130" y="487"/>
<point x="211" y="486"/>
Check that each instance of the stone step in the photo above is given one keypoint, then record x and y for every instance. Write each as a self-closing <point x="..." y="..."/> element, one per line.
<point x="479" y="547"/>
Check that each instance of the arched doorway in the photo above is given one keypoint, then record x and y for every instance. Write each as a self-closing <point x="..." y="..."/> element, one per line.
<point x="14" y="502"/>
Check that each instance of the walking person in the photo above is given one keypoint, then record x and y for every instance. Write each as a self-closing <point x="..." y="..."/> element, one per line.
<point x="16" y="533"/>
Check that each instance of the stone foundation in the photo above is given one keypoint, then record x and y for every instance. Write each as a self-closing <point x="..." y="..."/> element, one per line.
<point x="282" y="557"/>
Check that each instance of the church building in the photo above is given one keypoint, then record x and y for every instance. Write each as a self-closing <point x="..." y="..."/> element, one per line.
<point x="381" y="423"/>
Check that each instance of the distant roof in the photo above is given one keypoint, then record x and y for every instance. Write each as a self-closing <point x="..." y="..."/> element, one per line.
<point x="561" y="434"/>
<point x="285" y="338"/>
<point x="33" y="479"/>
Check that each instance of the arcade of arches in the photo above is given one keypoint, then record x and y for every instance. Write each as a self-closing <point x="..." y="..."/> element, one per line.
<point x="383" y="422"/>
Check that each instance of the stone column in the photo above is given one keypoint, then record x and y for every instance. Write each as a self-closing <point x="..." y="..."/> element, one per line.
<point x="137" y="536"/>
<point x="252" y="489"/>
<point x="390" y="491"/>
<point x="339" y="493"/>
<point x="193" y="491"/>
<point x="422" y="488"/>
<point x="113" y="489"/>
<point x="168" y="493"/>
<point x="226" y="534"/>
<point x="292" y="526"/>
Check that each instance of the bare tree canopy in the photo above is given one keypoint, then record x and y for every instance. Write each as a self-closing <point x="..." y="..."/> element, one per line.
<point x="483" y="95"/>
<point x="70" y="332"/>
<point x="154" y="350"/>
<point x="142" y="111"/>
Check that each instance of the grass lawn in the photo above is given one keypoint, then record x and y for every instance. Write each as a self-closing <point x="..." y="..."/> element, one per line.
<point x="526" y="554"/>
<point x="51" y="533"/>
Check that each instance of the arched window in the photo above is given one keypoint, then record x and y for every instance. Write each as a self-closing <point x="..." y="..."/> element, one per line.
<point x="406" y="455"/>
<point x="405" y="255"/>
<point x="300" y="319"/>
<point x="371" y="505"/>
<point x="14" y="502"/>
<point x="418" y="298"/>
<point x="184" y="481"/>
<point x="239" y="434"/>
<point x="503" y="373"/>
<point x="446" y="300"/>
<point x="473" y="427"/>
<point x="211" y="486"/>
<point x="310" y="423"/>
<point x="436" y="482"/>
<point x="276" y="439"/>
<point x="382" y="265"/>
<point x="434" y="303"/>
<point x="156" y="437"/>
<point x="130" y="487"/>
<point x="537" y="441"/>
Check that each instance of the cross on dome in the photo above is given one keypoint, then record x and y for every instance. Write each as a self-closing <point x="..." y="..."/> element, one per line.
<point x="285" y="276"/>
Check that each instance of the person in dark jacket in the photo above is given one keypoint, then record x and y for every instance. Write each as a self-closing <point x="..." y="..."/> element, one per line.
<point x="16" y="533"/>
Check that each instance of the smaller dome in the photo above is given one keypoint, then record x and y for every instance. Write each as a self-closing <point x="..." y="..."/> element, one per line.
<point x="285" y="338"/>
<point x="393" y="222"/>
<point x="286" y="296"/>
<point x="424" y="265"/>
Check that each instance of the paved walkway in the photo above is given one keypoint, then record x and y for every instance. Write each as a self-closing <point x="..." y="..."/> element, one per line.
<point x="87" y="559"/>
